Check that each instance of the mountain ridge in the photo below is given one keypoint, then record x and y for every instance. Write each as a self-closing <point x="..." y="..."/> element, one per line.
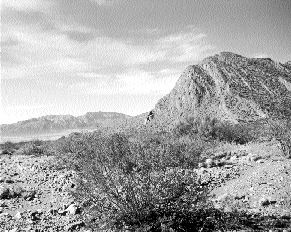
<point x="57" y="123"/>
<point x="229" y="87"/>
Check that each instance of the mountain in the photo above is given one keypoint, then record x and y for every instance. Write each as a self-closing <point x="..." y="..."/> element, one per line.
<point x="58" y="123"/>
<point x="228" y="87"/>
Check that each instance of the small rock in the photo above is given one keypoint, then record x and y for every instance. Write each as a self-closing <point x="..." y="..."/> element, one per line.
<point x="75" y="226"/>
<point x="5" y="215"/>
<point x="18" y="215"/>
<point x="17" y="191"/>
<point x="4" y="192"/>
<point x="2" y="203"/>
<point x="233" y="158"/>
<point x="62" y="212"/>
<point x="35" y="215"/>
<point x="200" y="165"/>
<point x="28" y="195"/>
<point x="9" y="181"/>
<point x="53" y="212"/>
<point x="266" y="201"/>
<point x="209" y="162"/>
<point x="73" y="209"/>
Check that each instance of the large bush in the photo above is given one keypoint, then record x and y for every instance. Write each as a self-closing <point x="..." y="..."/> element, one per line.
<point x="124" y="183"/>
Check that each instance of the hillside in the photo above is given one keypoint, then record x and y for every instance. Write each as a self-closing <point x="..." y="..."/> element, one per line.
<point x="229" y="87"/>
<point x="58" y="123"/>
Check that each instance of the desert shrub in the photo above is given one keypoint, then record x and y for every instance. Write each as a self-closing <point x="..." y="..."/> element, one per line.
<point x="281" y="131"/>
<point x="8" y="148"/>
<point x="35" y="147"/>
<point x="212" y="129"/>
<point x="183" y="128"/>
<point x="238" y="133"/>
<point x="121" y="183"/>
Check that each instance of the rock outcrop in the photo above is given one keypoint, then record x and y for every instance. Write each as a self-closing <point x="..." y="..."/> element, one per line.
<point x="229" y="87"/>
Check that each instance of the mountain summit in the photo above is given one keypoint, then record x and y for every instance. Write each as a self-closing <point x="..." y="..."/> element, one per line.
<point x="229" y="87"/>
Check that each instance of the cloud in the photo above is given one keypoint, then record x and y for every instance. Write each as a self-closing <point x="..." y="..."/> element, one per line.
<point x="81" y="60"/>
<point x="131" y="82"/>
<point x="25" y="5"/>
<point x="70" y="48"/>
<point x="184" y="47"/>
<point x="105" y="2"/>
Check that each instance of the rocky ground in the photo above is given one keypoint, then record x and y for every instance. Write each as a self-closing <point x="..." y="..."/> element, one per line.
<point x="263" y="184"/>
<point x="34" y="194"/>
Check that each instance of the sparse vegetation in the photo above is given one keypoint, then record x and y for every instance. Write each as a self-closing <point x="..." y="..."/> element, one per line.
<point x="148" y="184"/>
<point x="212" y="129"/>
<point x="281" y="131"/>
<point x="131" y="184"/>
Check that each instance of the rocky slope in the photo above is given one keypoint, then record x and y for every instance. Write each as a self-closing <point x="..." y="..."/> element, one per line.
<point x="57" y="123"/>
<point x="229" y="87"/>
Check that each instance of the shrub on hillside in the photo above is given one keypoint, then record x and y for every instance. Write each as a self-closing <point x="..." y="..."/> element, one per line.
<point x="281" y="131"/>
<point x="36" y="148"/>
<point x="212" y="129"/>
<point x="8" y="148"/>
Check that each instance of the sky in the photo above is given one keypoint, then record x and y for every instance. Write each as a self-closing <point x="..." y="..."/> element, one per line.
<point x="78" y="56"/>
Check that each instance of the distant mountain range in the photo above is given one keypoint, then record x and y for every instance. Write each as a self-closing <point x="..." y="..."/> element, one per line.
<point x="228" y="87"/>
<point x="58" y="123"/>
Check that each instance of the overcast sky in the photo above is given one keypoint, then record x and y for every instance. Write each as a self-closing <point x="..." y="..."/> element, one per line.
<point x="75" y="56"/>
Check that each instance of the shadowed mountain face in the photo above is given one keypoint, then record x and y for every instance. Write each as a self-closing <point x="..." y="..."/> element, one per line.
<point x="228" y="87"/>
<point x="58" y="123"/>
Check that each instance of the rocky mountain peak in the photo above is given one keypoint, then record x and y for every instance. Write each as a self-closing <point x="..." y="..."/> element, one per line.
<point x="229" y="87"/>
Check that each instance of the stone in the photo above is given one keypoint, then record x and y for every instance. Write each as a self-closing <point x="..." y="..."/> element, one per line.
<point x="28" y="195"/>
<point x="2" y="203"/>
<point x="9" y="181"/>
<point x="34" y="216"/>
<point x="75" y="226"/>
<point x="265" y="201"/>
<point x="209" y="162"/>
<point x="4" y="192"/>
<point x="73" y="209"/>
<point x="5" y="215"/>
<point x="200" y="165"/>
<point x="18" y="215"/>
<point x="17" y="191"/>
